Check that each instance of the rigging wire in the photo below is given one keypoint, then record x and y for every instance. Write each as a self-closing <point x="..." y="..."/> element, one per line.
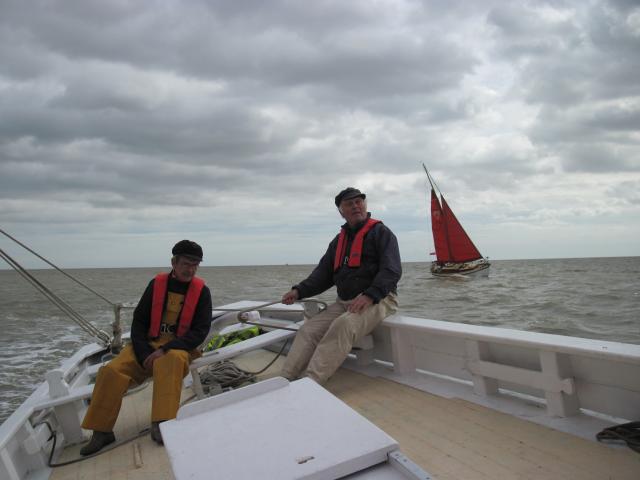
<point x="58" y="269"/>
<point x="87" y="326"/>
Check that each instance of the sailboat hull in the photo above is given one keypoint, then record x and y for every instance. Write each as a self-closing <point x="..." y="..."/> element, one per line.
<point x="478" y="268"/>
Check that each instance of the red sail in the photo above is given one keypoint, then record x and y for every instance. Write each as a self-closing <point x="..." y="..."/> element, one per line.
<point x="460" y="246"/>
<point x="439" y="228"/>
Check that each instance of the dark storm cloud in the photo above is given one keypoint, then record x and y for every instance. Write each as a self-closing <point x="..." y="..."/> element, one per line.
<point x="318" y="59"/>
<point x="347" y="46"/>
<point x="128" y="113"/>
<point x="580" y="68"/>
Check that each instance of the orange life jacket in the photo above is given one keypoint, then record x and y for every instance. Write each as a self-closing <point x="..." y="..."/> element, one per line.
<point x="160" y="285"/>
<point x="356" y="247"/>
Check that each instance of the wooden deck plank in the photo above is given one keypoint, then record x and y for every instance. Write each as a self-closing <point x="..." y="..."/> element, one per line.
<point x="119" y="463"/>
<point x="592" y="457"/>
<point x="488" y="438"/>
<point x="470" y="434"/>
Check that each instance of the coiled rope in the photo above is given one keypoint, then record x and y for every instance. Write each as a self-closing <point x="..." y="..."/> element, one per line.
<point x="628" y="433"/>
<point x="226" y="374"/>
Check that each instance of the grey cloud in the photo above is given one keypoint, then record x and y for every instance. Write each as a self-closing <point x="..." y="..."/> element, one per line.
<point x="583" y="78"/>
<point x="357" y="54"/>
<point x="126" y="111"/>
<point x="524" y="32"/>
<point x="627" y="192"/>
<point x="593" y="157"/>
<point x="615" y="118"/>
<point x="588" y="57"/>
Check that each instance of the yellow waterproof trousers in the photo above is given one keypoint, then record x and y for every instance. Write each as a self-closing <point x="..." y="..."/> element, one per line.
<point x="124" y="371"/>
<point x="325" y="340"/>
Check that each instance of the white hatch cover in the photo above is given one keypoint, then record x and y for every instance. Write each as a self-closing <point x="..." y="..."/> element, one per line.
<point x="273" y="429"/>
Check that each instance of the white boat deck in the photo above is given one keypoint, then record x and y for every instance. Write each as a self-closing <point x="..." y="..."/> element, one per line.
<point x="450" y="438"/>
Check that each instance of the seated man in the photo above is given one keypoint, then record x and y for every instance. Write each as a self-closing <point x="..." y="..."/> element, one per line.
<point x="171" y="320"/>
<point x="363" y="262"/>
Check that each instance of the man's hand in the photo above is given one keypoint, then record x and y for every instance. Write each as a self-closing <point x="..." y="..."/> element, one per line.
<point x="360" y="303"/>
<point x="148" y="362"/>
<point x="290" y="297"/>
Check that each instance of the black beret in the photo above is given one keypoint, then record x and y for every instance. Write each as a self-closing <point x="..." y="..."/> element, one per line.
<point x="348" y="193"/>
<point x="187" y="248"/>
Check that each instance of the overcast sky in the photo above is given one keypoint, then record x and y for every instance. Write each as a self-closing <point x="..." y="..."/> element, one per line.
<point x="126" y="126"/>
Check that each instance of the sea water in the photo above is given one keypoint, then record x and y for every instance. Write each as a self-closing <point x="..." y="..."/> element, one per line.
<point x="595" y="298"/>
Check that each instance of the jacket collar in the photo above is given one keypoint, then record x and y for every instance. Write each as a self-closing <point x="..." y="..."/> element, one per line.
<point x="352" y="230"/>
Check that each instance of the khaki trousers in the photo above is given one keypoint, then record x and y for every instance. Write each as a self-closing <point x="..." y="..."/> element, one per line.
<point x="325" y="340"/>
<point x="124" y="371"/>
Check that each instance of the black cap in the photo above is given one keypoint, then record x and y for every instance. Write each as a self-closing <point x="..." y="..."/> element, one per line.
<point x="187" y="248"/>
<point x="348" y="193"/>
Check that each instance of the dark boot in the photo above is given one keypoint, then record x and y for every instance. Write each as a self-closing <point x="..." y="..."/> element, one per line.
<point x="156" y="435"/>
<point x="98" y="441"/>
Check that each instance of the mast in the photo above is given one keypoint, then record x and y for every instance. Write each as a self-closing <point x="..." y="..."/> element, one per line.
<point x="438" y="223"/>
<point x="432" y="182"/>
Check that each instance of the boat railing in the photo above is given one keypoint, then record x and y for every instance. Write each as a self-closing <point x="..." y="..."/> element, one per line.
<point x="568" y="374"/>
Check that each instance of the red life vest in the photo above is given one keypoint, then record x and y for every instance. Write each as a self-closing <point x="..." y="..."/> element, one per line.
<point x="356" y="247"/>
<point x="160" y="285"/>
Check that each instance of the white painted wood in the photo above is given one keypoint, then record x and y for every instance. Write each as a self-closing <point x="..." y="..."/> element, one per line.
<point x="403" y="464"/>
<point x="79" y="393"/>
<point x="293" y="432"/>
<point x="363" y="350"/>
<point x="364" y="343"/>
<point x="403" y="357"/>
<point x="383" y="471"/>
<point x="600" y="376"/>
<point x="610" y="400"/>
<point x="58" y="387"/>
<point x="69" y="419"/>
<point x="35" y="438"/>
<point x="8" y="466"/>
<point x="564" y="403"/>
<point x="535" y="379"/>
<point x="234" y="396"/>
<point x="482" y="384"/>
<point x="453" y="364"/>
<point x="559" y="343"/>
<point x="364" y="357"/>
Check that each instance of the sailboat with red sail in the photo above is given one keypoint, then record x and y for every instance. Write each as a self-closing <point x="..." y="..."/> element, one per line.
<point x="455" y="252"/>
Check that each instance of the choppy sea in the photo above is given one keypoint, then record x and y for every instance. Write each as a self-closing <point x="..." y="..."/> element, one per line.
<point x="595" y="298"/>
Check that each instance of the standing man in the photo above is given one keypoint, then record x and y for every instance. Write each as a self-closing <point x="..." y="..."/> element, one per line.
<point x="363" y="262"/>
<point x="171" y="320"/>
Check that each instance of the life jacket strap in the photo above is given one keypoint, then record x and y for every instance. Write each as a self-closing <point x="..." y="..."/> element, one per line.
<point x="355" y="253"/>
